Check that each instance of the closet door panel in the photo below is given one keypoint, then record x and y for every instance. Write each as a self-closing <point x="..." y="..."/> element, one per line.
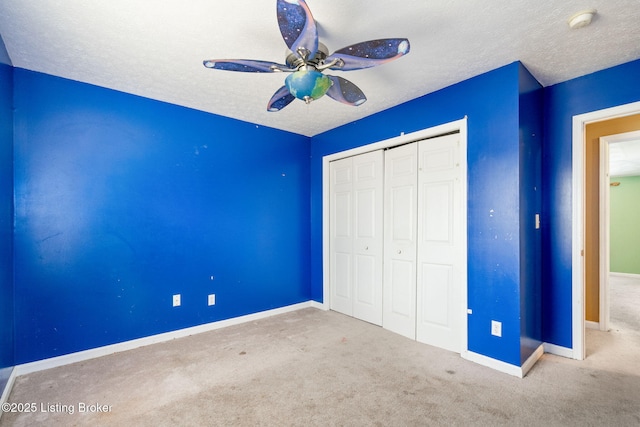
<point x="437" y="217"/>
<point x="399" y="308"/>
<point x="401" y="301"/>
<point x="356" y="233"/>
<point x="436" y="290"/>
<point x="439" y="273"/>
<point x="341" y="236"/>
<point x="368" y="236"/>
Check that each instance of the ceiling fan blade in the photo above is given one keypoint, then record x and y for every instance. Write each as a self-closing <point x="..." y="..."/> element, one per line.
<point x="244" y="65"/>
<point x="346" y="92"/>
<point x="369" y="54"/>
<point x="280" y="99"/>
<point x="298" y="28"/>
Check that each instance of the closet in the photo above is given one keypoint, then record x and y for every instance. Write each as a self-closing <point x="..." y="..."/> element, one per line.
<point x="397" y="239"/>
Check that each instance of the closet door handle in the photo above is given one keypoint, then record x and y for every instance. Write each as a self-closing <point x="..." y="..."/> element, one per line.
<point x="399" y="251"/>
<point x="366" y="248"/>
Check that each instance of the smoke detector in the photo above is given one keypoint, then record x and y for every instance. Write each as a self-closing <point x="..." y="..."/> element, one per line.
<point x="582" y="19"/>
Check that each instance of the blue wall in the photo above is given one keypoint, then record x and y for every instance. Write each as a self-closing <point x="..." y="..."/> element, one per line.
<point x="6" y="217"/>
<point x="122" y="202"/>
<point x="531" y="132"/>
<point x="491" y="102"/>
<point x="604" y="89"/>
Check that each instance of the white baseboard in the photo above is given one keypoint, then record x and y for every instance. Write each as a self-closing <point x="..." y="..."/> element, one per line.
<point x="319" y="305"/>
<point x="507" y="368"/>
<point x="526" y="366"/>
<point x="496" y="364"/>
<point x="558" y="350"/>
<point x="93" y="353"/>
<point x="535" y="356"/>
<point x="629" y="275"/>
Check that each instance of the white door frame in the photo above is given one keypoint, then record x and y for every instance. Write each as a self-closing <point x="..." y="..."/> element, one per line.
<point x="580" y="123"/>
<point x="605" y="221"/>
<point x="455" y="126"/>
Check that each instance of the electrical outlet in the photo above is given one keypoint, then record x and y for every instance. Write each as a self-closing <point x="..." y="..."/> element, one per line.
<point x="211" y="299"/>
<point x="176" y="300"/>
<point x="496" y="328"/>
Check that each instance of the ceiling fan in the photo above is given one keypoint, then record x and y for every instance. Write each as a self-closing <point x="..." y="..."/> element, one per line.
<point x="308" y="58"/>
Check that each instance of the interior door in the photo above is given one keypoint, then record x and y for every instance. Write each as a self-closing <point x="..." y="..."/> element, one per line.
<point x="400" y="239"/>
<point x="341" y="235"/>
<point x="356" y="189"/>
<point x="368" y="236"/>
<point x="439" y="270"/>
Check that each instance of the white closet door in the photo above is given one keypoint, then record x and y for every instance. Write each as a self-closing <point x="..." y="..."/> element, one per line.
<point x="400" y="238"/>
<point x="356" y="236"/>
<point x="368" y="236"/>
<point x="341" y="235"/>
<point x="439" y="269"/>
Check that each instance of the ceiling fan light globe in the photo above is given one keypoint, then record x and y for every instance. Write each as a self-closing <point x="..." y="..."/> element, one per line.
<point x="307" y="84"/>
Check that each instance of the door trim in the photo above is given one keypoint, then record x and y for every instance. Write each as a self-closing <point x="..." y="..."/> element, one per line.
<point x="455" y="126"/>
<point x="579" y="125"/>
<point x="605" y="221"/>
<point x="603" y="231"/>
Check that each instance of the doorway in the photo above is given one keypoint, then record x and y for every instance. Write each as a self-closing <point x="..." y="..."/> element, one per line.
<point x="614" y="163"/>
<point x="586" y="243"/>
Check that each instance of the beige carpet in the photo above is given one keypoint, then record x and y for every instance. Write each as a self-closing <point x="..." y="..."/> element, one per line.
<point x="315" y="368"/>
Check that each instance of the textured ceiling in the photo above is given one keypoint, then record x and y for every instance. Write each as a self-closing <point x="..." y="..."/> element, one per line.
<point x="155" y="48"/>
<point x="624" y="158"/>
